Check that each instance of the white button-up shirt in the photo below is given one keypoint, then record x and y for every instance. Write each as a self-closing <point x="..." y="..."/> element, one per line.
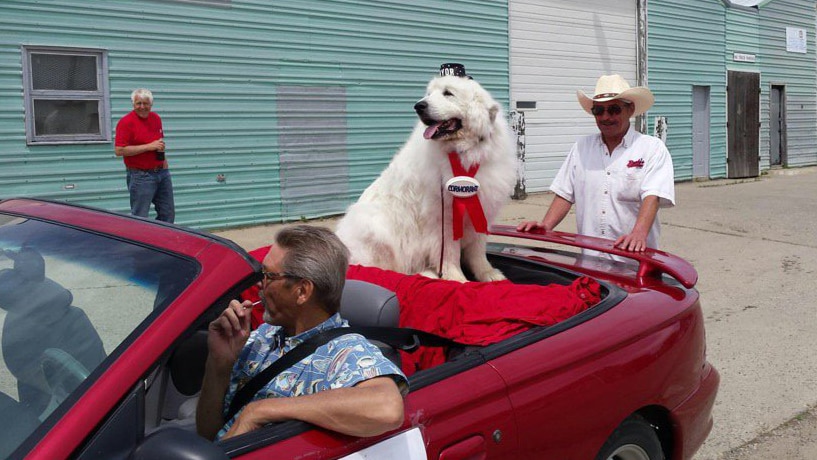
<point x="607" y="188"/>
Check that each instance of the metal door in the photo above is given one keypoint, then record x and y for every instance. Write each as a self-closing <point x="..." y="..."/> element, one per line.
<point x="777" y="125"/>
<point x="743" y="124"/>
<point x="700" y="132"/>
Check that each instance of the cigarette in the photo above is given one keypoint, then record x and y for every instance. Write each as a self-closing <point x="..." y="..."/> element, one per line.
<point x="257" y="302"/>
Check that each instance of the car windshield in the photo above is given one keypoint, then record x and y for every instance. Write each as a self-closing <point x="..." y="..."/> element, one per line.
<point x="68" y="299"/>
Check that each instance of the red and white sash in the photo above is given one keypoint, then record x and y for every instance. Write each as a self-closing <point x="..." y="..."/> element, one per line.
<point x="465" y="202"/>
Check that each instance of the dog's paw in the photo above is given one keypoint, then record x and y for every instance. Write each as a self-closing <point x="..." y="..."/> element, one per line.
<point x="454" y="274"/>
<point x="490" y="275"/>
<point x="429" y="274"/>
<point x="456" y="277"/>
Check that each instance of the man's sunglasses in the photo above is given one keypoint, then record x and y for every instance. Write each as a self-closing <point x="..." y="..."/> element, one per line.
<point x="598" y="110"/>
<point x="273" y="276"/>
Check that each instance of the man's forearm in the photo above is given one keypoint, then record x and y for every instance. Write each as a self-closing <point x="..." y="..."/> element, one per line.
<point x="646" y="215"/>
<point x="557" y="211"/>
<point x="132" y="150"/>
<point x="367" y="409"/>
<point x="209" y="419"/>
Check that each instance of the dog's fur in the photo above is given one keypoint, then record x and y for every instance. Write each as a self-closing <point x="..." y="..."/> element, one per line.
<point x="399" y="223"/>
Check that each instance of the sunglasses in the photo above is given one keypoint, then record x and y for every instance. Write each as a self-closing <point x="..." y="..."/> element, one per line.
<point x="598" y="110"/>
<point x="273" y="276"/>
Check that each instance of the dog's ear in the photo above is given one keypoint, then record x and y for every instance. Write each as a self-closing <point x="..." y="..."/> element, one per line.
<point x="492" y="111"/>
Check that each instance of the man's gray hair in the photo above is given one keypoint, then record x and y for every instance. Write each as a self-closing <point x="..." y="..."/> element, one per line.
<point x="141" y="93"/>
<point x="316" y="254"/>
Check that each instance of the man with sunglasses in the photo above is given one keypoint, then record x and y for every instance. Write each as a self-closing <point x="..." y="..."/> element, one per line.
<point x="617" y="178"/>
<point x="345" y="385"/>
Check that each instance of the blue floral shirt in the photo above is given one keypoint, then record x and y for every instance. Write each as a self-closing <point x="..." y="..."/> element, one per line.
<point x="342" y="362"/>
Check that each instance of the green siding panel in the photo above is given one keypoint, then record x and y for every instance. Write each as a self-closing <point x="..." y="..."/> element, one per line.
<point x="694" y="43"/>
<point x="217" y="75"/>
<point x="742" y="36"/>
<point x="795" y="71"/>
<point x="685" y="49"/>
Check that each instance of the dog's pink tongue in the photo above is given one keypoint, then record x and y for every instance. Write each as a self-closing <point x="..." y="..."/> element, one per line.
<point x="432" y="130"/>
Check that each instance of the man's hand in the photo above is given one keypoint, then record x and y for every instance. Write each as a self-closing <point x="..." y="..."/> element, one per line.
<point x="158" y="144"/>
<point x="556" y="212"/>
<point x="635" y="242"/>
<point x="530" y="225"/>
<point x="226" y="336"/>
<point x="228" y="333"/>
<point x="246" y="421"/>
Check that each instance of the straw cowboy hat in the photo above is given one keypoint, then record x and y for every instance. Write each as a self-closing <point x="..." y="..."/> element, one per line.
<point x="610" y="87"/>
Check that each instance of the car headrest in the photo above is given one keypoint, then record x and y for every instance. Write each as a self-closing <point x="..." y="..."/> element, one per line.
<point x="367" y="304"/>
<point x="19" y="293"/>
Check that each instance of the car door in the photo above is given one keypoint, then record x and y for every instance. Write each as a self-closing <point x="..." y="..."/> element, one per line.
<point x="573" y="387"/>
<point x="460" y="408"/>
<point x="464" y="414"/>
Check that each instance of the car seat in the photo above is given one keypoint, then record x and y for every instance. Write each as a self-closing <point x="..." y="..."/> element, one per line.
<point x="365" y="304"/>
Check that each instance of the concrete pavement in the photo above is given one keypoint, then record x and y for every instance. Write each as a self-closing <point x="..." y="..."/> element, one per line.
<point x="754" y="244"/>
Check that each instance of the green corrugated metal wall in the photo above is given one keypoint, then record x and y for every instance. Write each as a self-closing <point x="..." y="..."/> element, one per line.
<point x="742" y="36"/>
<point x="694" y="42"/>
<point x="794" y="70"/>
<point x="300" y="104"/>
<point x="685" y="48"/>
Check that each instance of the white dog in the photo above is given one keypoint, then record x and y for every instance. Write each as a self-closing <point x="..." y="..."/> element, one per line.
<point x="405" y="220"/>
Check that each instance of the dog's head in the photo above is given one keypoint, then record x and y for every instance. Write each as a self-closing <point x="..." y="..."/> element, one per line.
<point x="455" y="108"/>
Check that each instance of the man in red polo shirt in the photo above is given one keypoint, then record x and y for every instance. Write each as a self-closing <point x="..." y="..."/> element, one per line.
<point x="140" y="142"/>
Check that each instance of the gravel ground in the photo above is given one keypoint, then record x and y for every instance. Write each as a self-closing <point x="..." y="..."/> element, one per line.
<point x="794" y="440"/>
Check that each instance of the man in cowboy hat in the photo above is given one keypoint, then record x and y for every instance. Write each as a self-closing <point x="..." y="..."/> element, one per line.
<point x="617" y="178"/>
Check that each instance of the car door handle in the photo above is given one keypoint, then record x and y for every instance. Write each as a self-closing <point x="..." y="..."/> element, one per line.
<point x="472" y="448"/>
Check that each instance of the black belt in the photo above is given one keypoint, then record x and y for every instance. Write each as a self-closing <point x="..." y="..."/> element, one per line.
<point x="156" y="169"/>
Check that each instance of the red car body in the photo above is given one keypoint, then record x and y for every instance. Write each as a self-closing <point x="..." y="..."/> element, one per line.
<point x="558" y="392"/>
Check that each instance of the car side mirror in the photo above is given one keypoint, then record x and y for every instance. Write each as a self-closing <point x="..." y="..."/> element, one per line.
<point x="175" y="444"/>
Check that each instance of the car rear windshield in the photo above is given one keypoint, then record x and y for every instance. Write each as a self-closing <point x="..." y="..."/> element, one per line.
<point x="68" y="299"/>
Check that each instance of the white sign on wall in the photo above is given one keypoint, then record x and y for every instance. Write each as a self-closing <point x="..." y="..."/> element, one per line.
<point x="743" y="57"/>
<point x="795" y="40"/>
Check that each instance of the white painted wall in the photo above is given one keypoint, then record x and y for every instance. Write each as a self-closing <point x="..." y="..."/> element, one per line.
<point x="558" y="47"/>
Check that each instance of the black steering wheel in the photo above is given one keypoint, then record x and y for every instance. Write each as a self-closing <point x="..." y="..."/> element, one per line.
<point x="63" y="373"/>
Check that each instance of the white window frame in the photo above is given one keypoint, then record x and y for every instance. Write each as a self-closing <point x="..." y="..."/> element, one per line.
<point x="101" y="95"/>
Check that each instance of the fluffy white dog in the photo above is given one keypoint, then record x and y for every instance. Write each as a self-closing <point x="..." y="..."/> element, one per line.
<point x="409" y="219"/>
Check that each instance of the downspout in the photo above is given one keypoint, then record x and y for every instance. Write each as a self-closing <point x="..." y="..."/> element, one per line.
<point x="517" y="122"/>
<point x="641" y="57"/>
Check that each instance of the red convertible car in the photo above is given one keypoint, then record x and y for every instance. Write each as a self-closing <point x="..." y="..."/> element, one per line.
<point x="104" y="339"/>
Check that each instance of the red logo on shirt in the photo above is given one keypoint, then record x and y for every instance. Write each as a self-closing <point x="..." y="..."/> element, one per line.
<point x="639" y="163"/>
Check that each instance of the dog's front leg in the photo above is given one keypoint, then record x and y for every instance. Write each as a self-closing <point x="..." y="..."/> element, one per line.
<point x="451" y="269"/>
<point x="476" y="260"/>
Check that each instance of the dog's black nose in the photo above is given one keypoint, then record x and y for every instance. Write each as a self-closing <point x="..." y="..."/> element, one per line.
<point x="421" y="106"/>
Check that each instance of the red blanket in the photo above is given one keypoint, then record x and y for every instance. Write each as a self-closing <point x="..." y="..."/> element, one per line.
<point x="476" y="313"/>
<point x="473" y="313"/>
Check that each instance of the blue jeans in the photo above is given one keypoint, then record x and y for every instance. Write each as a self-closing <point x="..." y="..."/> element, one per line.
<point x="155" y="187"/>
